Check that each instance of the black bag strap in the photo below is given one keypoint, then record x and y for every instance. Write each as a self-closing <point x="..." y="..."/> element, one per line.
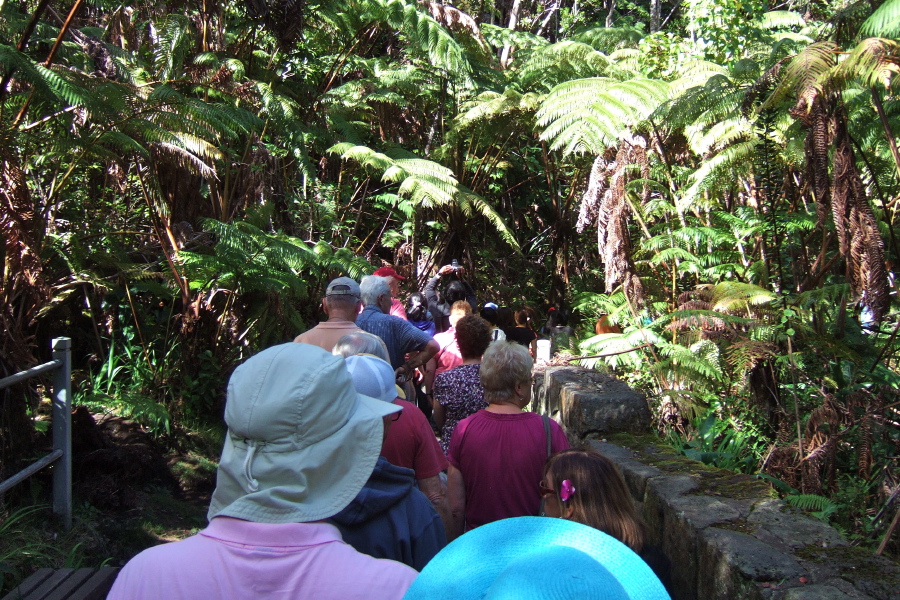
<point x="546" y="420"/>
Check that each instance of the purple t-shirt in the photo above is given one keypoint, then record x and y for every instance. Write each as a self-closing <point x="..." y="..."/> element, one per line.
<point x="501" y="458"/>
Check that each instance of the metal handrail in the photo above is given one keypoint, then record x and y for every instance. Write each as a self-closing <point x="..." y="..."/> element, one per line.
<point x="61" y="414"/>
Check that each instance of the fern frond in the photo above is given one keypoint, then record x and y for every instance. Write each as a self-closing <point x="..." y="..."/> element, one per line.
<point x="733" y="296"/>
<point x="172" y="45"/>
<point x="498" y="37"/>
<point x="781" y="19"/>
<point x="468" y="197"/>
<point x="588" y="115"/>
<point x="808" y="71"/>
<point x="820" y="506"/>
<point x="488" y="106"/>
<point x="609" y="39"/>
<point x="884" y="22"/>
<point x="719" y="136"/>
<point x="872" y="61"/>
<point x="827" y="295"/>
<point x="721" y="170"/>
<point x="562" y="61"/>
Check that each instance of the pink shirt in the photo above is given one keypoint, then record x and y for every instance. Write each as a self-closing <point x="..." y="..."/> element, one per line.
<point x="397" y="309"/>
<point x="501" y="458"/>
<point x="410" y="443"/>
<point x="448" y="356"/>
<point x="244" y="561"/>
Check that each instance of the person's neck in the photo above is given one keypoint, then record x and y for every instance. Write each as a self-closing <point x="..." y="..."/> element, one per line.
<point x="471" y="361"/>
<point x="504" y="408"/>
<point x="342" y="317"/>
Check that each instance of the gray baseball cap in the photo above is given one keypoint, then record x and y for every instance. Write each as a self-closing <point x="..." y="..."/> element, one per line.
<point x="342" y="286"/>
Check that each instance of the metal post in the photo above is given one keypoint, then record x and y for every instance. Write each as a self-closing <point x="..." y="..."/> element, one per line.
<point x="62" y="430"/>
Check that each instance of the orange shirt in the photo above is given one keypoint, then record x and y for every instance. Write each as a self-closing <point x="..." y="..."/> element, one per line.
<point x="327" y="333"/>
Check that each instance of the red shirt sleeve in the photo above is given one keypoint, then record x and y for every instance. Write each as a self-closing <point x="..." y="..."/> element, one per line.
<point x="430" y="459"/>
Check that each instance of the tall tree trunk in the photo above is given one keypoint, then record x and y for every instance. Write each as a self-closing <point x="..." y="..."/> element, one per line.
<point x="513" y="22"/>
<point x="655" y="6"/>
<point x="610" y="9"/>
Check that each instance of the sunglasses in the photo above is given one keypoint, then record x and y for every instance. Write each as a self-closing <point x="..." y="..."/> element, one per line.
<point x="545" y="491"/>
<point x="396" y="416"/>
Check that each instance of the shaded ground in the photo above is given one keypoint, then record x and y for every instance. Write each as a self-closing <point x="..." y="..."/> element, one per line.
<point x="129" y="493"/>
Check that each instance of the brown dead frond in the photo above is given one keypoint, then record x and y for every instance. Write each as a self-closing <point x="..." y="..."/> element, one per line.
<point x="702" y="293"/>
<point x="813" y="111"/>
<point x="606" y="203"/>
<point x="860" y="240"/>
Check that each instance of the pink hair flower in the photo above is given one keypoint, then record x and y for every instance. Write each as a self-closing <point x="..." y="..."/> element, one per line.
<point x="566" y="490"/>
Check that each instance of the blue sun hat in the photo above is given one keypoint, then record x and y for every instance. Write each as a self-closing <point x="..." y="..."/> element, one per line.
<point x="536" y="558"/>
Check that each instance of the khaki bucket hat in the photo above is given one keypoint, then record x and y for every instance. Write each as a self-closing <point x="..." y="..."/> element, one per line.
<point x="301" y="442"/>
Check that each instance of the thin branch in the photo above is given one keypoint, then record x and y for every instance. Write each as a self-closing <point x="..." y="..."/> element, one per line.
<point x="609" y="353"/>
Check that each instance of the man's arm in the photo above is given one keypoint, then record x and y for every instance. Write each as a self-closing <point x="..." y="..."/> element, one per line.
<point x="430" y="290"/>
<point x="425" y="353"/>
<point x="438" y="413"/>
<point x="435" y="490"/>
<point x="456" y="496"/>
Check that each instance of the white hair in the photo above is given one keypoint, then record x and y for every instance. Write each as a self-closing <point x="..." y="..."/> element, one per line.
<point x="361" y="342"/>
<point x="373" y="287"/>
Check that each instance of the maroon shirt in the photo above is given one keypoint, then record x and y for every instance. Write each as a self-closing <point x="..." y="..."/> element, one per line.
<point x="411" y="443"/>
<point x="501" y="458"/>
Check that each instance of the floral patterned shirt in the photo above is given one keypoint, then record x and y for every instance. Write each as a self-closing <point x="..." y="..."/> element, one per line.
<point x="460" y="392"/>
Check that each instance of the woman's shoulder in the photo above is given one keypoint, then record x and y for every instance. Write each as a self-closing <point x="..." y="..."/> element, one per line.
<point x="464" y="371"/>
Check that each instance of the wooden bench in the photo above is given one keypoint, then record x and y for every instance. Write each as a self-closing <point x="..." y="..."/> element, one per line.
<point x="66" y="584"/>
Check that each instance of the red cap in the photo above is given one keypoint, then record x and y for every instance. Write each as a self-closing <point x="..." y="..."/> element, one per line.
<point x="387" y="272"/>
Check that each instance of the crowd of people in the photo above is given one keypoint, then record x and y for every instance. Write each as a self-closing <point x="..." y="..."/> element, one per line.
<point x="356" y="453"/>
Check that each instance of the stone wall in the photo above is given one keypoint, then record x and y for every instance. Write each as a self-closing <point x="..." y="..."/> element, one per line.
<point x="724" y="533"/>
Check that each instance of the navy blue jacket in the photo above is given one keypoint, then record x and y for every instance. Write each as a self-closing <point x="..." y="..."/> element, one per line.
<point x="391" y="518"/>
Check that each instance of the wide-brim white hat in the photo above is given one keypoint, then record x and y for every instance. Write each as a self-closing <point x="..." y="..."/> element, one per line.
<point x="301" y="441"/>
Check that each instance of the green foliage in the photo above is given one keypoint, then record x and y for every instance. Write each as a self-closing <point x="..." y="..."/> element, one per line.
<point x="723" y="443"/>
<point x="184" y="183"/>
<point x="818" y="506"/>
<point x="721" y="30"/>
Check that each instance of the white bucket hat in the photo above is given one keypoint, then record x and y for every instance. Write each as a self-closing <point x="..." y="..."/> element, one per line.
<point x="372" y="376"/>
<point x="301" y="441"/>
